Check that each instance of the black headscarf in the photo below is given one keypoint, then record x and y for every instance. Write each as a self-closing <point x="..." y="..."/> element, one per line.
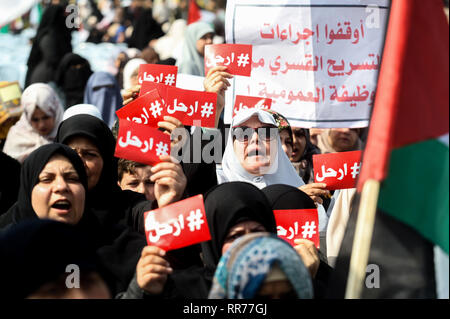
<point x="106" y="200"/>
<point x="72" y="76"/>
<point x="145" y="29"/>
<point x="100" y="134"/>
<point x="36" y="252"/>
<point x="29" y="177"/>
<point x="118" y="246"/>
<point x="53" y="23"/>
<point x="9" y="182"/>
<point x="282" y="196"/>
<point x="289" y="197"/>
<point x="227" y="205"/>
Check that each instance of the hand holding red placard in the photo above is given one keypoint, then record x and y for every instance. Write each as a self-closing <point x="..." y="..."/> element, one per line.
<point x="192" y="107"/>
<point x="158" y="73"/>
<point x="298" y="224"/>
<point x="337" y="170"/>
<point x="141" y="143"/>
<point x="236" y="57"/>
<point x="177" y="225"/>
<point x="147" y="109"/>
<point x="243" y="102"/>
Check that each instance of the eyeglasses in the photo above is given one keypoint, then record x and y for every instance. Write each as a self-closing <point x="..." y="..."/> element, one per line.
<point x="244" y="133"/>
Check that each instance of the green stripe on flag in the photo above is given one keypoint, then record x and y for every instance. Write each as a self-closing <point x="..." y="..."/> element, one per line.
<point x="416" y="189"/>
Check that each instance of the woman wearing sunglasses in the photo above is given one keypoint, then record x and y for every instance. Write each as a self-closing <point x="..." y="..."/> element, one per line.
<point x="254" y="154"/>
<point x="253" y="151"/>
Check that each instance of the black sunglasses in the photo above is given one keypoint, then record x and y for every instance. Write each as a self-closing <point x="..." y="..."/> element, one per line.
<point x="244" y="133"/>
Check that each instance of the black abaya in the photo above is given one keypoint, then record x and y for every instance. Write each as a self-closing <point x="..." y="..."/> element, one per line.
<point x="52" y="42"/>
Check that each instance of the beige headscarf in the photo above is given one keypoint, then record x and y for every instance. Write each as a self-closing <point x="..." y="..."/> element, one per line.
<point x="338" y="223"/>
<point x="22" y="139"/>
<point x="325" y="147"/>
<point x="129" y="69"/>
<point x="165" y="46"/>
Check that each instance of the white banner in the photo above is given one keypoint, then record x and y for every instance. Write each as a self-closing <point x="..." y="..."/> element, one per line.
<point x="317" y="60"/>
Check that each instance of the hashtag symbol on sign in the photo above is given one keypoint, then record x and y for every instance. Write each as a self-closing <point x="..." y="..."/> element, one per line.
<point x="156" y="109"/>
<point x="195" y="220"/>
<point x="207" y="109"/>
<point x="355" y="169"/>
<point x="308" y="230"/>
<point x="243" y="60"/>
<point x="162" y="149"/>
<point x="170" y="79"/>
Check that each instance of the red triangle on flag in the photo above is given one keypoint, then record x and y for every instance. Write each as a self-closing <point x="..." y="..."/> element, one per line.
<point x="412" y="99"/>
<point x="194" y="12"/>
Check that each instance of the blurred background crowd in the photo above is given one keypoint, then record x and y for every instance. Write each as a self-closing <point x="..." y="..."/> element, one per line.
<point x="108" y="33"/>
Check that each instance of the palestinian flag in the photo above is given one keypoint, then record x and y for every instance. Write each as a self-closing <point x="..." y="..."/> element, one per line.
<point x="194" y="13"/>
<point x="407" y="151"/>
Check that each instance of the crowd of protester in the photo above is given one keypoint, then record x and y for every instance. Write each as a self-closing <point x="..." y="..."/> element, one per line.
<point x="61" y="184"/>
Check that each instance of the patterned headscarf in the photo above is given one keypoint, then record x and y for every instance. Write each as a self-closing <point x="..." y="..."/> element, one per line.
<point x="282" y="122"/>
<point x="244" y="267"/>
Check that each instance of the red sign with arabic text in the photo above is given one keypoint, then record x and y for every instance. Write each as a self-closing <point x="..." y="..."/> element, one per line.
<point x="177" y="225"/>
<point x="159" y="73"/>
<point x="149" y="86"/>
<point x="194" y="108"/>
<point x="338" y="170"/>
<point x="236" y="57"/>
<point x="141" y="143"/>
<point x="298" y="224"/>
<point x="147" y="109"/>
<point x="250" y="102"/>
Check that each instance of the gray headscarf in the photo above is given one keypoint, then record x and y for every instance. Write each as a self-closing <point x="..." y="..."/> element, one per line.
<point x="191" y="62"/>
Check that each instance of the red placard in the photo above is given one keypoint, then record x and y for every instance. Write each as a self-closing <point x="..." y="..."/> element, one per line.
<point x="149" y="86"/>
<point x="236" y="57"/>
<point x="337" y="170"/>
<point x="158" y="73"/>
<point x="298" y="224"/>
<point x="194" y="108"/>
<point x="147" y="109"/>
<point x="177" y="225"/>
<point x="141" y="143"/>
<point x="249" y="102"/>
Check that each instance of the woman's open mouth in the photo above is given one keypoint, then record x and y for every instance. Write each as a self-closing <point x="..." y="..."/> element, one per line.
<point x="62" y="206"/>
<point x="255" y="152"/>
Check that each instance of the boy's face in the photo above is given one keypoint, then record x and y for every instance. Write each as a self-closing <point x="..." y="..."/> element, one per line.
<point x="139" y="182"/>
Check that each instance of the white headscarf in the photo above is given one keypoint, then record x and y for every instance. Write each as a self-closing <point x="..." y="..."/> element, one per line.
<point x="132" y="53"/>
<point x="165" y="45"/>
<point x="280" y="171"/>
<point x="128" y="70"/>
<point x="22" y="139"/>
<point x="191" y="62"/>
<point x="82" y="109"/>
